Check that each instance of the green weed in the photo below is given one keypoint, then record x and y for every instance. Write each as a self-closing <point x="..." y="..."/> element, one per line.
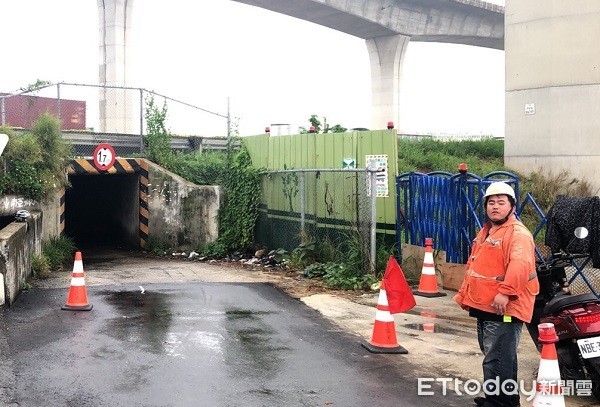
<point x="157" y="245"/>
<point x="40" y="265"/>
<point x="59" y="252"/>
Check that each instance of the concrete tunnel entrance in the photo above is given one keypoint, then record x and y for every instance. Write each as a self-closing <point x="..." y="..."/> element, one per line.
<point x="102" y="211"/>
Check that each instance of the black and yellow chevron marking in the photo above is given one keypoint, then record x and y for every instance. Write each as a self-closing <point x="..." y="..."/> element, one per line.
<point x="143" y="165"/>
<point x="61" y="212"/>
<point x="85" y="166"/>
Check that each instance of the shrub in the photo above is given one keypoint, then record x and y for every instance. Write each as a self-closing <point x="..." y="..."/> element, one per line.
<point x="59" y="251"/>
<point x="40" y="266"/>
<point x="345" y="278"/>
<point x="238" y="214"/>
<point x="157" y="245"/>
<point x="482" y="156"/>
<point x="207" y="168"/>
<point x="158" y="138"/>
<point x="34" y="165"/>
<point x="303" y="255"/>
<point x="214" y="250"/>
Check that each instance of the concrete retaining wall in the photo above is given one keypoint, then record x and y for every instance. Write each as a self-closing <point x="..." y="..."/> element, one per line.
<point x="18" y="241"/>
<point x="182" y="214"/>
<point x="51" y="208"/>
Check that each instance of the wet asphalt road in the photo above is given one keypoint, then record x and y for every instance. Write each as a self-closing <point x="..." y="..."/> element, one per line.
<point x="194" y="344"/>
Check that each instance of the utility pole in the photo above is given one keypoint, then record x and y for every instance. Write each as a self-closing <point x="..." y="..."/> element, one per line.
<point x="228" y="120"/>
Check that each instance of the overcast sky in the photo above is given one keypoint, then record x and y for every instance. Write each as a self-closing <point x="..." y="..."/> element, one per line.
<point x="273" y="68"/>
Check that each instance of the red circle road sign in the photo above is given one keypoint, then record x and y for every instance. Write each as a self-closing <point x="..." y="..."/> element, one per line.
<point x="104" y="157"/>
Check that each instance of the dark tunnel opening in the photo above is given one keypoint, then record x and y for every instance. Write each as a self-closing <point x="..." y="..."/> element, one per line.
<point x="102" y="211"/>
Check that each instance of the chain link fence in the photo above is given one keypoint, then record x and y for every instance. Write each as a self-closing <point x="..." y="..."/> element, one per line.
<point x="333" y="209"/>
<point x="587" y="281"/>
<point x="93" y="114"/>
<point x="582" y="277"/>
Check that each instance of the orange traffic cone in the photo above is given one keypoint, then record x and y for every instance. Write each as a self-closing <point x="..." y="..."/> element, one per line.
<point x="77" y="298"/>
<point x="428" y="321"/>
<point x="428" y="282"/>
<point x="548" y="390"/>
<point x="384" y="338"/>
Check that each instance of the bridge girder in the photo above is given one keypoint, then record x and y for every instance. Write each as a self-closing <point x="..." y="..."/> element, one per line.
<point x="468" y="22"/>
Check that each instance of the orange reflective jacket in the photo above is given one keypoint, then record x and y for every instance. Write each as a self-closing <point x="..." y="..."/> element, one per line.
<point x="502" y="261"/>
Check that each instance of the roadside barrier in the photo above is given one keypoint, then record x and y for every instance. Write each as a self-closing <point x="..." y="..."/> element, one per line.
<point x="383" y="339"/>
<point x="77" y="298"/>
<point x="428" y="282"/>
<point x="548" y="390"/>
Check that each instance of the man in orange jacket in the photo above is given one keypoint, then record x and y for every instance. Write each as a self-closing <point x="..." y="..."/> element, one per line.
<point x="499" y="290"/>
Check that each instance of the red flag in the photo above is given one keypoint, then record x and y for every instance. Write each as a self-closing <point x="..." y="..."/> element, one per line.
<point x="399" y="295"/>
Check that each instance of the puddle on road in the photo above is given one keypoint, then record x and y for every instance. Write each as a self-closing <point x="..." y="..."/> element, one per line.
<point x="144" y="318"/>
<point x="251" y="345"/>
<point x="242" y="314"/>
<point x="255" y="349"/>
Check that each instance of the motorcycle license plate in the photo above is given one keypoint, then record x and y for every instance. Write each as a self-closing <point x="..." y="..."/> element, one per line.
<point x="589" y="347"/>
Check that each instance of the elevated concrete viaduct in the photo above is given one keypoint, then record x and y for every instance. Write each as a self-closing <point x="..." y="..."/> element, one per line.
<point x="387" y="26"/>
<point x="469" y="22"/>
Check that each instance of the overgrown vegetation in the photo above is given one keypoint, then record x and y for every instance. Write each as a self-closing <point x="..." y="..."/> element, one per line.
<point x="40" y="266"/>
<point x="341" y="264"/>
<point x="238" y="214"/>
<point x="34" y="164"/>
<point x="158" y="138"/>
<point x="57" y="253"/>
<point x="482" y="157"/>
<point x="207" y="168"/>
<point x="232" y="170"/>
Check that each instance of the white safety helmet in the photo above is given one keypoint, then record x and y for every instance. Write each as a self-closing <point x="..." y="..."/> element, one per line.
<point x="500" y="188"/>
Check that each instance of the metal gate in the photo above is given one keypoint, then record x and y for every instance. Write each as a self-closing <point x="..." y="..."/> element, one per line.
<point x="444" y="206"/>
<point x="448" y="208"/>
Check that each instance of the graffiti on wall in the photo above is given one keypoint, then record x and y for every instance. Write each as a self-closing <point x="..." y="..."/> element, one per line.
<point x="11" y="203"/>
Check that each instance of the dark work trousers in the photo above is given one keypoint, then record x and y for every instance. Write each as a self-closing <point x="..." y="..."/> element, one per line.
<point x="498" y="341"/>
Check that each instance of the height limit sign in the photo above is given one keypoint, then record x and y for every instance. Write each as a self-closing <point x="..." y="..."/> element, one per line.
<point x="104" y="157"/>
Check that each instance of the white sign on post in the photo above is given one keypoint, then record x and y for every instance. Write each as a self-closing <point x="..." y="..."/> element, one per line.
<point x="379" y="162"/>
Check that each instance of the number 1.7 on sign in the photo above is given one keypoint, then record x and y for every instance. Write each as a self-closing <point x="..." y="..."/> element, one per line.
<point x="104" y="156"/>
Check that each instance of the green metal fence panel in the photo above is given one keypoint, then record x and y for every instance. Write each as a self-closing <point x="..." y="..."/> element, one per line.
<point x="333" y="204"/>
<point x="328" y="207"/>
<point x="332" y="150"/>
<point x="259" y="150"/>
<point x="382" y="142"/>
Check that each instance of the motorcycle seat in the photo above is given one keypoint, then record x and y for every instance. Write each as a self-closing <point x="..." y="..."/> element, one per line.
<point x="563" y="300"/>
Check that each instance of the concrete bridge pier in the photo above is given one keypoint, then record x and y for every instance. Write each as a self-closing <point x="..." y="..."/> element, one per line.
<point x="386" y="55"/>
<point x="116" y="105"/>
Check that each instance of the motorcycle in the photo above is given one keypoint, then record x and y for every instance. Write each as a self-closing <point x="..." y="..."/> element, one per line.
<point x="576" y="318"/>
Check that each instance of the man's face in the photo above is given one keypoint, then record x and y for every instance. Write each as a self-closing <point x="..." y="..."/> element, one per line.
<point x="498" y="207"/>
